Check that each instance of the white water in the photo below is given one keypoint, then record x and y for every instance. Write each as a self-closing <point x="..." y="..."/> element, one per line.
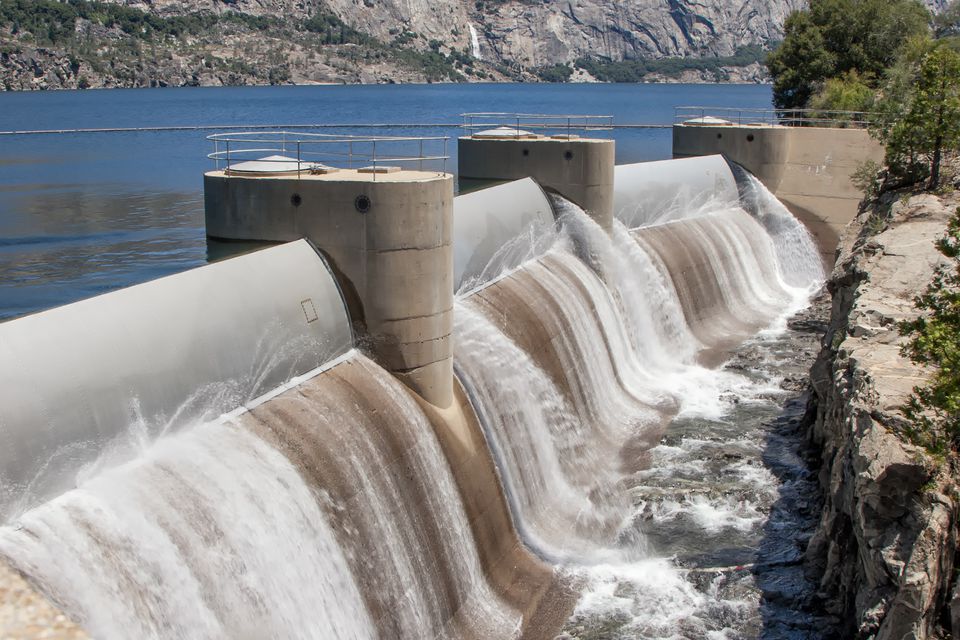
<point x="623" y="338"/>
<point x="796" y="252"/>
<point x="574" y="361"/>
<point x="210" y="534"/>
<point x="474" y="43"/>
<point x="218" y="532"/>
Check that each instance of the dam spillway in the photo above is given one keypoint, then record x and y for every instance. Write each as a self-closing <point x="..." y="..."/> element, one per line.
<point x="345" y="505"/>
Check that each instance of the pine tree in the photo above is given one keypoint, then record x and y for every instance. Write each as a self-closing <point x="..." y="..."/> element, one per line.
<point x="930" y="123"/>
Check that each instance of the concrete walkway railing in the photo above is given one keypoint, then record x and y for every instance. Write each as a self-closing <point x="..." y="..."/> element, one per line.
<point x="718" y="116"/>
<point x="270" y="152"/>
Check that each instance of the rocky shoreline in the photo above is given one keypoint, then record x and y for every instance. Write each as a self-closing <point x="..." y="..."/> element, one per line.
<point x="883" y="551"/>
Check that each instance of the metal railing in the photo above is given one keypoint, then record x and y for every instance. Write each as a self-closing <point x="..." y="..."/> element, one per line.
<point x="288" y="152"/>
<point x="538" y="123"/>
<point x="720" y="116"/>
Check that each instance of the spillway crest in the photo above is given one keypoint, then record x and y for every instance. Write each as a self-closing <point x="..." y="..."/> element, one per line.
<point x="346" y="507"/>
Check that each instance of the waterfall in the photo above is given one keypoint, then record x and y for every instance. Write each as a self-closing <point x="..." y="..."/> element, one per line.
<point x="474" y="43"/>
<point x="343" y="507"/>
<point x="566" y="367"/>
<point x="796" y="250"/>
<point x="622" y="319"/>
<point x="329" y="511"/>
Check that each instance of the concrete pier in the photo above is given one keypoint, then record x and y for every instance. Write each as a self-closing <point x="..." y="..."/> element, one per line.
<point x="580" y="169"/>
<point x="808" y="168"/>
<point x="387" y="236"/>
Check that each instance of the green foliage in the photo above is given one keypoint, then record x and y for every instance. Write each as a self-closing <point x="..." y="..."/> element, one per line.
<point x="435" y="66"/>
<point x="53" y="22"/>
<point x="866" y="178"/>
<point x="404" y="38"/>
<point x="800" y="63"/>
<point x="333" y="30"/>
<point x="929" y="122"/>
<point x="848" y="92"/>
<point x="635" y="70"/>
<point x="934" y="341"/>
<point x="837" y="37"/>
<point x="555" y="73"/>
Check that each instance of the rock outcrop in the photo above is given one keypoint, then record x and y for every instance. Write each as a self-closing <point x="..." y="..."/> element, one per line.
<point x="884" y="547"/>
<point x="543" y="33"/>
<point x="300" y="41"/>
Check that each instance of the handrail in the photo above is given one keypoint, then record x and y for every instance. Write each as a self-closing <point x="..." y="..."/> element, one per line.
<point x="721" y="116"/>
<point x="298" y="151"/>
<point x="519" y="123"/>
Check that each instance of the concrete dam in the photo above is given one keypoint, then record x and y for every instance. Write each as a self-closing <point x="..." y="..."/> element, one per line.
<point x="418" y="415"/>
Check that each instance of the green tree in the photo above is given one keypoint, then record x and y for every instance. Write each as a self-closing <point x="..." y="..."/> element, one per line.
<point x="800" y="62"/>
<point x="930" y="122"/>
<point x="848" y="92"/>
<point x="934" y="341"/>
<point x="834" y="37"/>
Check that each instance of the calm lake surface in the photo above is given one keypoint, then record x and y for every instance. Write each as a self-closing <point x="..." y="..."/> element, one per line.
<point x="85" y="213"/>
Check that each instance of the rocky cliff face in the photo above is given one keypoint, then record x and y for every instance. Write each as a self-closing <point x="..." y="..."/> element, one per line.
<point x="303" y="41"/>
<point x="538" y="33"/>
<point x="884" y="548"/>
<point x="543" y="33"/>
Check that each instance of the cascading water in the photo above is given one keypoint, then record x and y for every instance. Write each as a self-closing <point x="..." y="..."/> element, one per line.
<point x="331" y="509"/>
<point x="474" y="43"/>
<point x="796" y="252"/>
<point x="562" y="465"/>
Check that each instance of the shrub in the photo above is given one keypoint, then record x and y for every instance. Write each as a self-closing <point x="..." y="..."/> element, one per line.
<point x="934" y="341"/>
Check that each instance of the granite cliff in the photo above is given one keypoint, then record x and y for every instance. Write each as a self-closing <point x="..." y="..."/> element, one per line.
<point x="884" y="548"/>
<point x="302" y="41"/>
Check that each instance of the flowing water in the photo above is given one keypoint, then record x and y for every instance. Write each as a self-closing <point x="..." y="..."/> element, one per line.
<point x="327" y="512"/>
<point x="637" y="471"/>
<point x="475" y="43"/>
<point x="658" y="504"/>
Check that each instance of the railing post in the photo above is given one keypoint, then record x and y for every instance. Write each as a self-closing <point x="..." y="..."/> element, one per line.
<point x="228" y="155"/>
<point x="299" y="168"/>
<point x="374" y="160"/>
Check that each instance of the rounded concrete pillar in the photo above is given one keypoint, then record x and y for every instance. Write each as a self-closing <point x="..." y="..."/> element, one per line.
<point x="387" y="236"/>
<point x="579" y="169"/>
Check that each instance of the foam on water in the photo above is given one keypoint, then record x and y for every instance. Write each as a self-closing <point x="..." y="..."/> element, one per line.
<point x="331" y="509"/>
<point x="287" y="521"/>
<point x="635" y="293"/>
<point x="210" y="534"/>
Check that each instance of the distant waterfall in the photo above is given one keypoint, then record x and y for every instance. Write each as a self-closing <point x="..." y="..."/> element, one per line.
<point x="474" y="43"/>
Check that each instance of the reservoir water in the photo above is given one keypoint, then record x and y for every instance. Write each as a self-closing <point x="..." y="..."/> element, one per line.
<point x="82" y="214"/>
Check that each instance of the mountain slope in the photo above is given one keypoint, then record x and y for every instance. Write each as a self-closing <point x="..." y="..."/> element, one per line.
<point x="160" y="42"/>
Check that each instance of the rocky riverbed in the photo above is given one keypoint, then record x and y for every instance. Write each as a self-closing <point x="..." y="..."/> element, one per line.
<point x="726" y="507"/>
